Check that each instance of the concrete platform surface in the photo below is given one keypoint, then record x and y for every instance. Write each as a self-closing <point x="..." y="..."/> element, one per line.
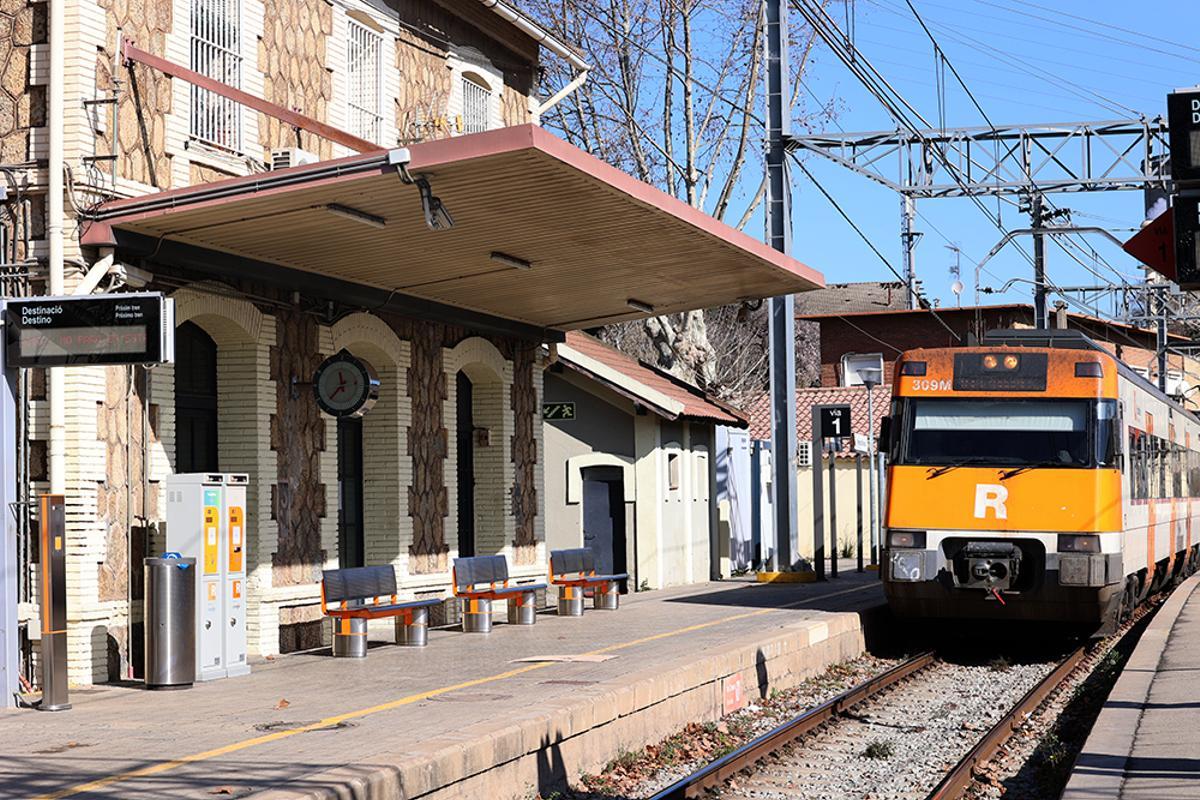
<point x="1145" y="744"/>
<point x="489" y="716"/>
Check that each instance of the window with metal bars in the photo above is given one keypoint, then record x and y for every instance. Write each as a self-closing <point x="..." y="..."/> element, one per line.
<point x="476" y="105"/>
<point x="363" y="66"/>
<point x="216" y="46"/>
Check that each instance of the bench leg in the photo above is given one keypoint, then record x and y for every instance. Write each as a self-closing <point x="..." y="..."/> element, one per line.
<point x="606" y="596"/>
<point x="570" y="601"/>
<point x="412" y="628"/>
<point x="522" y="609"/>
<point x="349" y="637"/>
<point x="477" y="615"/>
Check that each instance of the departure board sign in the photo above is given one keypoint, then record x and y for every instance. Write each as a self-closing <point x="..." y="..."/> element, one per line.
<point x="1183" y="131"/>
<point x="135" y="328"/>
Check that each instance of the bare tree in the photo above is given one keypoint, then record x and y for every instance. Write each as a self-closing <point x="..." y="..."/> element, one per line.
<point x="673" y="98"/>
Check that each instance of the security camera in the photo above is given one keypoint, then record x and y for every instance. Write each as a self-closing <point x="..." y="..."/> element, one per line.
<point x="131" y="276"/>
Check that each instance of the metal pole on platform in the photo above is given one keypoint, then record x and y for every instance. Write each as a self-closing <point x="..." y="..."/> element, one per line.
<point x="9" y="529"/>
<point x="858" y="515"/>
<point x="833" y="526"/>
<point x="818" y="496"/>
<point x="782" y="309"/>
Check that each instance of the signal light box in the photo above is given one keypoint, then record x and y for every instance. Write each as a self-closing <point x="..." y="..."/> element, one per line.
<point x="1186" y="216"/>
<point x="1183" y="132"/>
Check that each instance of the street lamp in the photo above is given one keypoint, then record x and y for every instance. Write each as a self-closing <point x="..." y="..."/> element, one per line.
<point x="871" y="377"/>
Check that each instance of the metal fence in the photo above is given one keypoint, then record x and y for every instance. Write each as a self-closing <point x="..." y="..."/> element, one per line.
<point x="365" y="93"/>
<point x="216" y="53"/>
<point x="476" y="105"/>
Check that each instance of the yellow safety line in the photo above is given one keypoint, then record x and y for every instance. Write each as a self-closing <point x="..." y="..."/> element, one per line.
<point x="166" y="766"/>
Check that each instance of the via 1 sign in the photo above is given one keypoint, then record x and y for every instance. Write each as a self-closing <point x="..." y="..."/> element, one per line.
<point x="835" y="422"/>
<point x="134" y="328"/>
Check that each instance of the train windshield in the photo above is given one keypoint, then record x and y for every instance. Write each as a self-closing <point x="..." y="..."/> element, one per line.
<point x="1009" y="432"/>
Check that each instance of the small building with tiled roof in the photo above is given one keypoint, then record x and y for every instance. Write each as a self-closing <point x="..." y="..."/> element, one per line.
<point x="629" y="467"/>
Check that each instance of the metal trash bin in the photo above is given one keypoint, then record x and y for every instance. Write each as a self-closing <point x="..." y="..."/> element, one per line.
<point x="415" y="633"/>
<point x="477" y="615"/>
<point x="522" y="609"/>
<point x="349" y="637"/>
<point x="570" y="601"/>
<point x="606" y="596"/>
<point x="170" y="621"/>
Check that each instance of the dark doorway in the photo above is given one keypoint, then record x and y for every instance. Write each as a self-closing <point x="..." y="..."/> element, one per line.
<point x="465" y="425"/>
<point x="351" y="550"/>
<point x="195" y="400"/>
<point x="604" y="519"/>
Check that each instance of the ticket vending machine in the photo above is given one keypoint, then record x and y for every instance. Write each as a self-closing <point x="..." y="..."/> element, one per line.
<point x="234" y="513"/>
<point x="206" y="520"/>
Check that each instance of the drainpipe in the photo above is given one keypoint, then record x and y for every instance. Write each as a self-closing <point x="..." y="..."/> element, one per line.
<point x="54" y="233"/>
<point x="551" y="43"/>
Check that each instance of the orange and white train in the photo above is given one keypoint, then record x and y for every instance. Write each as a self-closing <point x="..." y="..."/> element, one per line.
<point x="1035" y="477"/>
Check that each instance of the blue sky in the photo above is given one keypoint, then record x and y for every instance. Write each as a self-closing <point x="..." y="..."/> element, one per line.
<point x="1026" y="61"/>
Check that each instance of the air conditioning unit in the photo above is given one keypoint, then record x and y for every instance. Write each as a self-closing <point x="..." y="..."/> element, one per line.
<point x="286" y="157"/>
<point x="804" y="453"/>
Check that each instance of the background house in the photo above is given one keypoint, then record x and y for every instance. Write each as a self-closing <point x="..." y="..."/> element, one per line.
<point x="629" y="466"/>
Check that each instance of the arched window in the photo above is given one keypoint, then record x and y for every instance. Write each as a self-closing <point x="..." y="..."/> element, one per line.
<point x="195" y="400"/>
<point x="476" y="104"/>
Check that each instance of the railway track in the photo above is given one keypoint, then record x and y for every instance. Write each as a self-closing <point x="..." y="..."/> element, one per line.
<point x="928" y="705"/>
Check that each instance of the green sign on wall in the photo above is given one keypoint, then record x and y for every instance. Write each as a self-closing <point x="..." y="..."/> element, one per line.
<point x="558" y="411"/>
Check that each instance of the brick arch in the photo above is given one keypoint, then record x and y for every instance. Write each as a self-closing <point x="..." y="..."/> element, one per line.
<point x="223" y="316"/>
<point x="387" y="464"/>
<point x="492" y="376"/>
<point x="244" y="336"/>
<point x="370" y="338"/>
<point x="480" y="359"/>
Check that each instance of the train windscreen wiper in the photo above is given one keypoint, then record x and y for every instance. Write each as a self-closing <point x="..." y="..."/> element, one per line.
<point x="962" y="462"/>
<point x="1033" y="465"/>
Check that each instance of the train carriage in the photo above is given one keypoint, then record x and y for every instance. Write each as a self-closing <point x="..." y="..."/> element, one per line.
<point x="1035" y="477"/>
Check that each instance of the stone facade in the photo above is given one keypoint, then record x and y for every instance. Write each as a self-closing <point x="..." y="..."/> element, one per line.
<point x="292" y="53"/>
<point x="296" y="75"/>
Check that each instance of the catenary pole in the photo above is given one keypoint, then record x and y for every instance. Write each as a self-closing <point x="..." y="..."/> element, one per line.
<point x="1041" y="321"/>
<point x="782" y="309"/>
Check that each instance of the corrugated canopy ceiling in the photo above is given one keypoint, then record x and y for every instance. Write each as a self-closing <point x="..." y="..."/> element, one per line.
<point x="594" y="236"/>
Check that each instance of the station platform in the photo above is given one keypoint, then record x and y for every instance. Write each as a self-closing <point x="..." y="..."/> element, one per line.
<point x="1145" y="744"/>
<point x="502" y="715"/>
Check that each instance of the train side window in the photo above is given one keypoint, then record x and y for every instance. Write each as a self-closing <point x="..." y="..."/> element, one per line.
<point x="1176" y="471"/>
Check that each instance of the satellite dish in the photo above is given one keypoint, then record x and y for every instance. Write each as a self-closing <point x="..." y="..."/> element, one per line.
<point x="957" y="288"/>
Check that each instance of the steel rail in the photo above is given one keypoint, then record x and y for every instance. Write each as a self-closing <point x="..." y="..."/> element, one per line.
<point x="962" y="775"/>
<point x="755" y="750"/>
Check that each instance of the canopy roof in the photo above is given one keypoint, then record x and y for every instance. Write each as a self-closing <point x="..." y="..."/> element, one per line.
<point x="593" y="238"/>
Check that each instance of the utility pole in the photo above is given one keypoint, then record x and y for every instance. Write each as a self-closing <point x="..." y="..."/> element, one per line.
<point x="1037" y="220"/>
<point x="783" y="309"/>
<point x="909" y="239"/>
<point x="1160" y="311"/>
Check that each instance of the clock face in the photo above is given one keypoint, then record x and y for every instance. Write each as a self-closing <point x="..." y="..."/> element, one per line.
<point x="345" y="386"/>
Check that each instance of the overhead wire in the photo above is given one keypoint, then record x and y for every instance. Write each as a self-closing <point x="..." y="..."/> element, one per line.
<point x="1062" y="245"/>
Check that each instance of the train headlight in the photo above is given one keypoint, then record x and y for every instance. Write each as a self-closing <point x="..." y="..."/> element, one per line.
<point x="1011" y="362"/>
<point x="1078" y="543"/>
<point x="907" y="564"/>
<point x="990" y="362"/>
<point x="906" y="539"/>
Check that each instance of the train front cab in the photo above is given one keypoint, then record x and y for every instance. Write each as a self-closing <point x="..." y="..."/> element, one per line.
<point x="1004" y="486"/>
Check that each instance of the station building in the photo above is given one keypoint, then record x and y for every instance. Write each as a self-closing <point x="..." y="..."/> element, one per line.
<point x="630" y="467"/>
<point x="305" y="177"/>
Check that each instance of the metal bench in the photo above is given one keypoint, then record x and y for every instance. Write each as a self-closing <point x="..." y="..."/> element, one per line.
<point x="365" y="593"/>
<point x="574" y="572"/>
<point x="479" y="580"/>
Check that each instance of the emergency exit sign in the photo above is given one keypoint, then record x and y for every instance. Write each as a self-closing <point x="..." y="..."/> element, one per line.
<point x="134" y="328"/>
<point x="558" y="411"/>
